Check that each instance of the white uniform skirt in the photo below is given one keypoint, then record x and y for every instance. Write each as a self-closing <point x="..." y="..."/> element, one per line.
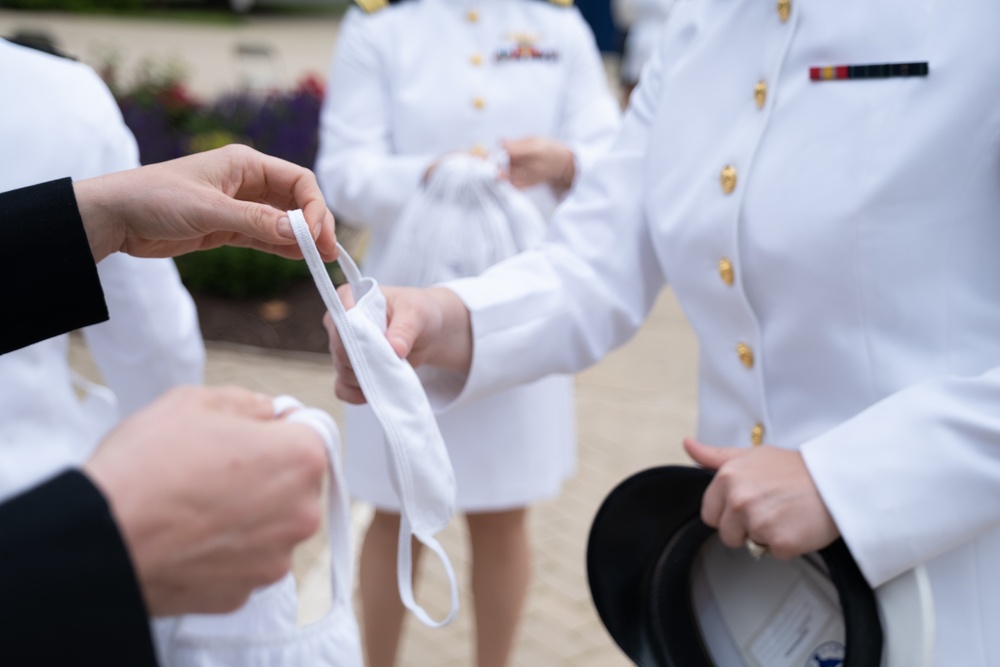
<point x="509" y="450"/>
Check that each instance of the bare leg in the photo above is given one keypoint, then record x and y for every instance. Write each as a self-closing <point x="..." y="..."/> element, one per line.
<point x="627" y="89"/>
<point x="382" y="611"/>
<point x="501" y="570"/>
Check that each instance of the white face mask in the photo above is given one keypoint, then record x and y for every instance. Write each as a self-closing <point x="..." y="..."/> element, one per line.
<point x="263" y="632"/>
<point x="420" y="469"/>
<point x="463" y="221"/>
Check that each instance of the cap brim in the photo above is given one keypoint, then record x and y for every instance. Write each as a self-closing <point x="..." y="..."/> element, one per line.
<point x="630" y="531"/>
<point x="647" y="512"/>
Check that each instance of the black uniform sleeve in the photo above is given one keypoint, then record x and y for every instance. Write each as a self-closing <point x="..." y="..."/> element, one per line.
<point x="68" y="593"/>
<point x="48" y="280"/>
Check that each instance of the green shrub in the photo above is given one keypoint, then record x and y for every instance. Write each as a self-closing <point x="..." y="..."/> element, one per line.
<point x="243" y="273"/>
<point x="239" y="272"/>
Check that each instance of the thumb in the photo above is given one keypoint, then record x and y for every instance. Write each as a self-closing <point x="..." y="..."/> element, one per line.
<point x="406" y="323"/>
<point x="255" y="220"/>
<point x="711" y="457"/>
<point x="235" y="401"/>
<point x="513" y="147"/>
<point x="346" y="295"/>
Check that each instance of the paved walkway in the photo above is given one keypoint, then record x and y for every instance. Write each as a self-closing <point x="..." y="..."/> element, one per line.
<point x="269" y="51"/>
<point x="633" y="407"/>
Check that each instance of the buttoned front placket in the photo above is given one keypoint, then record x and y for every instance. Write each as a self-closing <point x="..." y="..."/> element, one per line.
<point x="747" y="349"/>
<point x="477" y="21"/>
<point x="699" y="209"/>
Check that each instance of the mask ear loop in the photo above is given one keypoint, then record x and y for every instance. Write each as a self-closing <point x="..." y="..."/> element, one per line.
<point x="337" y="504"/>
<point x="332" y="301"/>
<point x="404" y="573"/>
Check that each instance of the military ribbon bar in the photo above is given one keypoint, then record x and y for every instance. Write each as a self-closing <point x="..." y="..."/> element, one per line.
<point x="877" y="71"/>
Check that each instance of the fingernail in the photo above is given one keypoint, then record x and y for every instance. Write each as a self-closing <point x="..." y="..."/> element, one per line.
<point x="285" y="228"/>
<point x="316" y="231"/>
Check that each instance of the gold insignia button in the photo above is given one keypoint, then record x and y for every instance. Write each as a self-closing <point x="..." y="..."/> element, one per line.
<point x="757" y="434"/>
<point x="726" y="270"/>
<point x="728" y="179"/>
<point x="760" y="94"/>
<point x="745" y="354"/>
<point x="479" y="103"/>
<point x="476" y="59"/>
<point x="479" y="150"/>
<point x="784" y="9"/>
<point x="472" y="16"/>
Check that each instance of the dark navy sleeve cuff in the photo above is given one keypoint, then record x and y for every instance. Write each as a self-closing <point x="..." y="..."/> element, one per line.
<point x="68" y="591"/>
<point x="48" y="280"/>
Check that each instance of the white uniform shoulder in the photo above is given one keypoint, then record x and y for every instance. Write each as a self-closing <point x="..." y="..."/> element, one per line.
<point x="44" y="78"/>
<point x="64" y="79"/>
<point x="83" y="124"/>
<point x="558" y="4"/>
<point x="562" y="17"/>
<point x="376" y="6"/>
<point x="556" y="11"/>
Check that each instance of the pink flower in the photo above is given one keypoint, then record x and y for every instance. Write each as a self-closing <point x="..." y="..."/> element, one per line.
<point x="312" y="85"/>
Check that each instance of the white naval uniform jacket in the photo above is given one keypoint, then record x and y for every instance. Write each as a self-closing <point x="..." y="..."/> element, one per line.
<point x="845" y="292"/>
<point x="57" y="120"/>
<point x="408" y="84"/>
<point x="422" y="78"/>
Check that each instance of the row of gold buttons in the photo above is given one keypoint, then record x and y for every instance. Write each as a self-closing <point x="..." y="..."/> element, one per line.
<point x="760" y="90"/>
<point x="727" y="181"/>
<point x="476" y="59"/>
<point x="760" y="97"/>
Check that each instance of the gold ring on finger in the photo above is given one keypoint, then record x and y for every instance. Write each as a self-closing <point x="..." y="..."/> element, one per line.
<point x="755" y="549"/>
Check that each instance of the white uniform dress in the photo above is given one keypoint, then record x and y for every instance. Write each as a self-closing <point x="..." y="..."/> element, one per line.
<point x="834" y="244"/>
<point x="58" y="119"/>
<point x="422" y="78"/>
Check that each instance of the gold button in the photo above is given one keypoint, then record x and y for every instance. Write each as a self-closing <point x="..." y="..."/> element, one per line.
<point x="784" y="9"/>
<point x="472" y="15"/>
<point x="476" y="59"/>
<point x="479" y="103"/>
<point x="479" y="150"/>
<point x="760" y="94"/>
<point x="745" y="354"/>
<point x="726" y="270"/>
<point x="728" y="179"/>
<point x="757" y="434"/>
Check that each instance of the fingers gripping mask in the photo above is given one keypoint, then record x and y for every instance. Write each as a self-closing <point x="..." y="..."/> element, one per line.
<point x="263" y="632"/>
<point x="420" y="469"/>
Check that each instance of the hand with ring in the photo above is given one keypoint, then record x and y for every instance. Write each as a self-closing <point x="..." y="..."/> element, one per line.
<point x="756" y="550"/>
<point x="765" y="492"/>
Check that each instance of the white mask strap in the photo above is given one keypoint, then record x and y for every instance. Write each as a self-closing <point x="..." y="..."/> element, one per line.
<point x="338" y="504"/>
<point x="322" y="279"/>
<point x="404" y="574"/>
<point x="339" y="314"/>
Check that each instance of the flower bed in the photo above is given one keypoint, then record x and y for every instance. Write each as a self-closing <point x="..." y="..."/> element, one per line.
<point x="169" y="122"/>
